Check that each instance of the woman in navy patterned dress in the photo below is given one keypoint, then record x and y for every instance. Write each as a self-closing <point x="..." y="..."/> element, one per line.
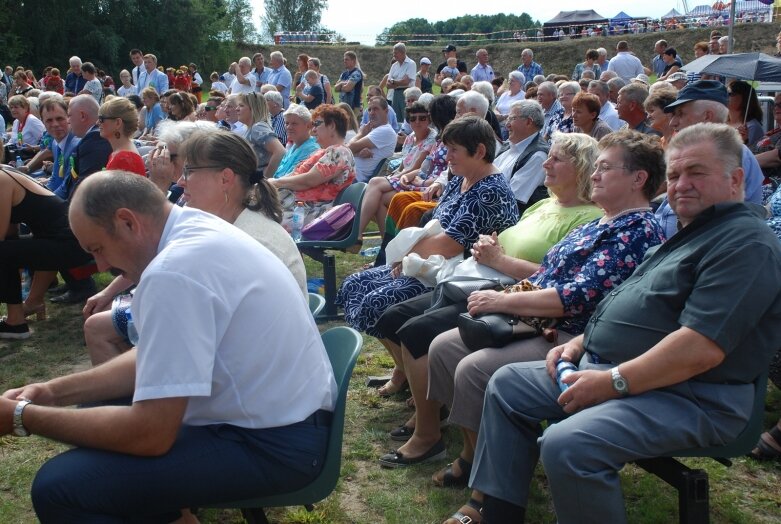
<point x="574" y="276"/>
<point x="476" y="201"/>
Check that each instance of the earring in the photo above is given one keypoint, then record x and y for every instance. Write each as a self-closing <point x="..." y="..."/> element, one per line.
<point x="117" y="135"/>
<point x="226" y="197"/>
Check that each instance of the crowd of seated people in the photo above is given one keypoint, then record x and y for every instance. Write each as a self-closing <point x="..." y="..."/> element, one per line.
<point x="264" y="142"/>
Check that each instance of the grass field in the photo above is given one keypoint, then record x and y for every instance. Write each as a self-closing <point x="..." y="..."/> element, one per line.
<point x="366" y="494"/>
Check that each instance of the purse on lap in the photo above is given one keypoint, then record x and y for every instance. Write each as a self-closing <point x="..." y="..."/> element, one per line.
<point x="499" y="329"/>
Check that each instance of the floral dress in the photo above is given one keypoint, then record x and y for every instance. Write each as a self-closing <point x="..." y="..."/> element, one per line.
<point x="774" y="206"/>
<point x="593" y="259"/>
<point x="337" y="166"/>
<point x="487" y="206"/>
<point x="410" y="151"/>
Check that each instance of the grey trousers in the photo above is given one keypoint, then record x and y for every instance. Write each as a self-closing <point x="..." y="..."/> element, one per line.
<point x="458" y="377"/>
<point x="583" y="453"/>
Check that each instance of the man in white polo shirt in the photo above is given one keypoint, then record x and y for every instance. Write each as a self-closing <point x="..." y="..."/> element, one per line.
<point x="245" y="80"/>
<point x="375" y="141"/>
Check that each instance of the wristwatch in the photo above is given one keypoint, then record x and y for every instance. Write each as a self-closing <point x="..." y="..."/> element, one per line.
<point x="19" y="429"/>
<point x="620" y="384"/>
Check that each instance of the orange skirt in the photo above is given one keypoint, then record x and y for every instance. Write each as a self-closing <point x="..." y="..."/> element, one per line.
<point x="405" y="210"/>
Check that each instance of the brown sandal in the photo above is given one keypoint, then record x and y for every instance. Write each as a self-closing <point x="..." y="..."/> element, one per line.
<point x="469" y="513"/>
<point x="769" y="445"/>
<point x="446" y="478"/>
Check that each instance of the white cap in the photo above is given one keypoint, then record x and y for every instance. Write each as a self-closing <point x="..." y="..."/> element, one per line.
<point x="425" y="60"/>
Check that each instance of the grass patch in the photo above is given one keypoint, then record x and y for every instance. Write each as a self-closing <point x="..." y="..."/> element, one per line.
<point x="366" y="494"/>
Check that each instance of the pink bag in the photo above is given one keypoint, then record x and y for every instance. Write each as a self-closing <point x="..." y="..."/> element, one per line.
<point x="334" y="224"/>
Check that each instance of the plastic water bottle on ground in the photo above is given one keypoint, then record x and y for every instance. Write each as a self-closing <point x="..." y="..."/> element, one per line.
<point x="132" y="331"/>
<point x="297" y="221"/>
<point x="370" y="251"/>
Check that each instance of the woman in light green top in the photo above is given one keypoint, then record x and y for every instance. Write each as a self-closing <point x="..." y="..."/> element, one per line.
<point x="518" y="250"/>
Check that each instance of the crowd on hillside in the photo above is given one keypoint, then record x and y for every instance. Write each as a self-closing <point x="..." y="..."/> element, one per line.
<point x="621" y="219"/>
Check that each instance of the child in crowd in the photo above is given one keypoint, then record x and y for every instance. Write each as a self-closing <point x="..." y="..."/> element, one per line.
<point x="451" y="70"/>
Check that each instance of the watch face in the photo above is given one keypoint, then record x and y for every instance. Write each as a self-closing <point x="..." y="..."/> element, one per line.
<point x="620" y="384"/>
<point x="20" y="432"/>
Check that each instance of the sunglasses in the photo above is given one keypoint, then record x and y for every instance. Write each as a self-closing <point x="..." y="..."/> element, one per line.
<point x="103" y="118"/>
<point x="210" y="108"/>
<point x="415" y="118"/>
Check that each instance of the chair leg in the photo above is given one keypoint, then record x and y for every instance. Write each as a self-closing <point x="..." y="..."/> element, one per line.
<point x="254" y="516"/>
<point x="693" y="497"/>
<point x="329" y="275"/>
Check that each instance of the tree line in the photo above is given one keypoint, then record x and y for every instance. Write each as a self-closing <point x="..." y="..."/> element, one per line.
<point x="37" y="33"/>
<point x="462" y="24"/>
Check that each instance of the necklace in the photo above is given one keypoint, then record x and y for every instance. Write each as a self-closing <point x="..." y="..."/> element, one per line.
<point x="605" y="220"/>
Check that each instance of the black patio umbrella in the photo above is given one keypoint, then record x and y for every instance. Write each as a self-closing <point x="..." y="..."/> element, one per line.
<point x="745" y="66"/>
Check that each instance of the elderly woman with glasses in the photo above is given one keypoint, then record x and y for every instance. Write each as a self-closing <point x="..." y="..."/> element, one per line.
<point x="566" y="94"/>
<point x="514" y="92"/>
<point x="319" y="178"/>
<point x="407" y="176"/>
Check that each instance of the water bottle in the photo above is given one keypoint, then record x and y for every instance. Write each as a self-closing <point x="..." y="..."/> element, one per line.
<point x="370" y="251"/>
<point x="132" y="332"/>
<point x="26" y="281"/>
<point x="19" y="161"/>
<point x="297" y="221"/>
<point x="563" y="369"/>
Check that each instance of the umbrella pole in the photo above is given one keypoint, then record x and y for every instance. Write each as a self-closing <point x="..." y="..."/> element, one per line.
<point x="745" y="113"/>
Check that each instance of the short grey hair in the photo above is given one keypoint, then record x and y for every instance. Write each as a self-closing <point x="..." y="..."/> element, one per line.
<point x="273" y="96"/>
<point x="484" y="88"/>
<point x="74" y="60"/>
<point x="517" y="75"/>
<point x="725" y="139"/>
<point x="446" y="82"/>
<point x="527" y="51"/>
<point x="245" y="60"/>
<point x="571" y="85"/>
<point x="599" y="84"/>
<point x="609" y="75"/>
<point x="617" y="82"/>
<point x="719" y="110"/>
<point x="724" y="40"/>
<point x="100" y="195"/>
<point x="530" y="109"/>
<point x="426" y="99"/>
<point x="400" y="47"/>
<point x="300" y="111"/>
<point x="175" y="132"/>
<point x="602" y="51"/>
<point x="538" y="79"/>
<point x="476" y="101"/>
<point x="548" y="87"/>
<point x="634" y="92"/>
<point x="413" y="91"/>
<point x="276" y="55"/>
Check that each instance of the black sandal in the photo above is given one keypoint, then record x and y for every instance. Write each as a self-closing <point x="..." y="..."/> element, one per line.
<point x="766" y="451"/>
<point x="450" y="480"/>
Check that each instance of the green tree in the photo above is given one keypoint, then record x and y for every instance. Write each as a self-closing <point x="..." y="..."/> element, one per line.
<point x="286" y="15"/>
<point x="494" y="26"/>
<point x="239" y="20"/>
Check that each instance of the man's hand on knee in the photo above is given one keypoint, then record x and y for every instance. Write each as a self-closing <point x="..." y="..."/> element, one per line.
<point x="587" y="388"/>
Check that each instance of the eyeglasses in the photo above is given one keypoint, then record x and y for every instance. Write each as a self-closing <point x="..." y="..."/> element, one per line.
<point x="317" y="123"/>
<point x="210" y="108"/>
<point x="415" y="118"/>
<point x="103" y="118"/>
<point x="513" y="118"/>
<point x="603" y="167"/>
<point x="188" y="170"/>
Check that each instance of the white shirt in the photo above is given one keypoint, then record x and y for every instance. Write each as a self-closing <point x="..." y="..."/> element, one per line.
<point x="239" y="128"/>
<point x="223" y="322"/>
<point x="506" y="100"/>
<point x="530" y="176"/>
<point x="609" y="115"/>
<point x="31" y="132"/>
<point x="383" y="139"/>
<point x="219" y="86"/>
<point x="237" y="87"/>
<point x="399" y="71"/>
<point x="626" y="65"/>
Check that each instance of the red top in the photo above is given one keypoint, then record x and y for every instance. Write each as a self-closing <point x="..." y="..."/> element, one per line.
<point x="126" y="161"/>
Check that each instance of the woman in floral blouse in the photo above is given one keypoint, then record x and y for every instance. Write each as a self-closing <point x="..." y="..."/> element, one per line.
<point x="574" y="276"/>
<point x="408" y="176"/>
<point x="319" y="178"/>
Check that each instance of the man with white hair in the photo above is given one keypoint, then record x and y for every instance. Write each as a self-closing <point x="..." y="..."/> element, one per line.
<point x="520" y="159"/>
<point x="547" y="96"/>
<point x="74" y="81"/>
<point x="614" y="85"/>
<point x="280" y="77"/>
<point x="608" y="113"/>
<point x="245" y="80"/>
<point x="602" y="60"/>
<point x="374" y="142"/>
<point x="528" y="66"/>
<point x="400" y="77"/>
<point x="483" y="70"/>
<point x="625" y="64"/>
<point x="630" y="108"/>
<point x="151" y="77"/>
<point x="274" y="103"/>
<point x="707" y="101"/>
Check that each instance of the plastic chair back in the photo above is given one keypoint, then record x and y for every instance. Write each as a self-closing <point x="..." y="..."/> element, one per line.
<point x="316" y="303"/>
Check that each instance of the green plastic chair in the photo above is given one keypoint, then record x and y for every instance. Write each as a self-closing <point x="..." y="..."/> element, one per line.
<point x="692" y="484"/>
<point x="343" y="345"/>
<point x="316" y="303"/>
<point x="316" y="249"/>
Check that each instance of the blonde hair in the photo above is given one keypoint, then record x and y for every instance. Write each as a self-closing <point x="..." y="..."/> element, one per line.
<point x="121" y="107"/>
